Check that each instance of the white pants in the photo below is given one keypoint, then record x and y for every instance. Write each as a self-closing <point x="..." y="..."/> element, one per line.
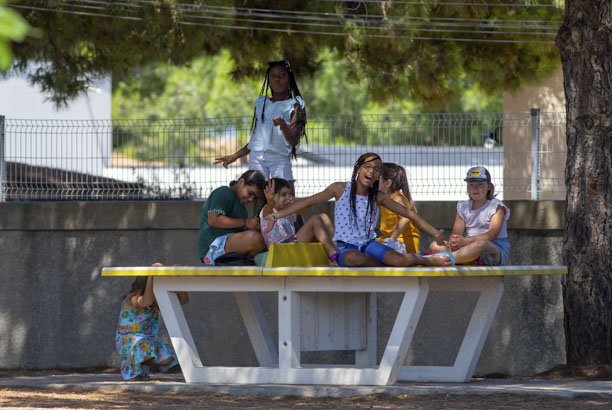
<point x="271" y="165"/>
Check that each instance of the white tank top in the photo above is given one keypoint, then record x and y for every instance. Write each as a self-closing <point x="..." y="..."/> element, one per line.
<point x="354" y="229"/>
<point x="477" y="221"/>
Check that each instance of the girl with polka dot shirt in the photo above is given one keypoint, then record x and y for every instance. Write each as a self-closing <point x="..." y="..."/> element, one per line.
<point x="355" y="216"/>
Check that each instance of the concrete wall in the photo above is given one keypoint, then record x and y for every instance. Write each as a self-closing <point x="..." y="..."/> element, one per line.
<point x="549" y="97"/>
<point x="56" y="311"/>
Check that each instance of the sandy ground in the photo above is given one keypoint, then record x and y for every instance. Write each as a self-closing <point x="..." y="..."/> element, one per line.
<point x="29" y="398"/>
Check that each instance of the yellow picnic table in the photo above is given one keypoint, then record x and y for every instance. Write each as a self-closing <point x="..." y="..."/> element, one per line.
<point x="328" y="308"/>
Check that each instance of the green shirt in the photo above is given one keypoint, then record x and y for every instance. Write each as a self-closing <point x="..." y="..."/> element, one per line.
<point x="222" y="201"/>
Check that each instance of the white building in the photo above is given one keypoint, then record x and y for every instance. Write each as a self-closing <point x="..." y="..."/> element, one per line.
<point x="24" y="105"/>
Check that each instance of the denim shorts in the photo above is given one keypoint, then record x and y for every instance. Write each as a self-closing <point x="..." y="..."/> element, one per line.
<point x="504" y="248"/>
<point x="372" y="248"/>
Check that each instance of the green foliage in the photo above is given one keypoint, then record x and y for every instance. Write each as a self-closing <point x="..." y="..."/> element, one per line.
<point x="201" y="88"/>
<point x="12" y="28"/>
<point x="211" y="105"/>
<point x="405" y="61"/>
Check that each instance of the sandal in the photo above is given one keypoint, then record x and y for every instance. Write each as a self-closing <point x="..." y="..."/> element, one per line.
<point x="333" y="258"/>
<point x="449" y="255"/>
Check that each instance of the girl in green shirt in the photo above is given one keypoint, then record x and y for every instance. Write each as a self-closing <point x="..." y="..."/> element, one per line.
<point x="224" y="225"/>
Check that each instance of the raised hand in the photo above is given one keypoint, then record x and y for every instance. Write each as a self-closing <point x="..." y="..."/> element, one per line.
<point x="269" y="192"/>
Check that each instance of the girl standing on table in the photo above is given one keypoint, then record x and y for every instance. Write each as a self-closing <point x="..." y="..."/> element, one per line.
<point x="278" y="124"/>
<point x="279" y="196"/>
<point x="136" y="339"/>
<point x="483" y="218"/>
<point x="397" y="232"/>
<point x="224" y="226"/>
<point x="356" y="214"/>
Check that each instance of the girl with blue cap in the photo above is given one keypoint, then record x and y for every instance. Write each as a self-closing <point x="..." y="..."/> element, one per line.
<point x="480" y="234"/>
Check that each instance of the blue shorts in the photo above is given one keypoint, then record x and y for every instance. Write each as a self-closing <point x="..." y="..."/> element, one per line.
<point x="372" y="248"/>
<point x="504" y="247"/>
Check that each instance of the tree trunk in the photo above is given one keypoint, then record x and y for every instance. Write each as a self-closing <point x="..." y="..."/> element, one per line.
<point x="585" y="44"/>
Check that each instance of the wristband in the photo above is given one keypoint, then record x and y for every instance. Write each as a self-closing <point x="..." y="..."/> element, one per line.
<point x="273" y="216"/>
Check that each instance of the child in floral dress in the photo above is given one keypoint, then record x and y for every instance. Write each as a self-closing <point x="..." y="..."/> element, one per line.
<point x="136" y="339"/>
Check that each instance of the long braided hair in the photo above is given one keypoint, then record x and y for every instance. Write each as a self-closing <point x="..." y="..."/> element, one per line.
<point x="399" y="180"/>
<point x="292" y="92"/>
<point x="372" y="191"/>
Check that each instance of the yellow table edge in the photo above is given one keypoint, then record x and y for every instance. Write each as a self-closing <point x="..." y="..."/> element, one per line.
<point x="451" y="271"/>
<point x="184" y="271"/>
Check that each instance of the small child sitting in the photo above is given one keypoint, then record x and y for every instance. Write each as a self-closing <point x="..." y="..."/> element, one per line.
<point x="279" y="195"/>
<point x="136" y="339"/>
<point x="398" y="232"/>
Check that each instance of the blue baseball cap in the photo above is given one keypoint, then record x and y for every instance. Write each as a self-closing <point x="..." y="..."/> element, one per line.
<point x="478" y="174"/>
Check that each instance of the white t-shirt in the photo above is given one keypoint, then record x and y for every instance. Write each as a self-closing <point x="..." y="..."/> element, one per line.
<point x="356" y="230"/>
<point x="269" y="138"/>
<point x="477" y="221"/>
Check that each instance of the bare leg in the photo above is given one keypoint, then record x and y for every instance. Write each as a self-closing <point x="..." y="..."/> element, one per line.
<point x="356" y="258"/>
<point x="435" y="248"/>
<point x="246" y="242"/>
<point x="472" y="251"/>
<point x="319" y="228"/>
<point x="393" y="258"/>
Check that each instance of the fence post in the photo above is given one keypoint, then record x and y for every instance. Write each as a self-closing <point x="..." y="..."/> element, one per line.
<point x="2" y="156"/>
<point x="535" y="154"/>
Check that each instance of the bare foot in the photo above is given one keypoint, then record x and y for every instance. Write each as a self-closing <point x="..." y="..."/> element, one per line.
<point x="437" y="260"/>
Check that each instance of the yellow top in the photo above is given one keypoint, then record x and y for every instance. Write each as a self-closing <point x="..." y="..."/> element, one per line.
<point x="388" y="222"/>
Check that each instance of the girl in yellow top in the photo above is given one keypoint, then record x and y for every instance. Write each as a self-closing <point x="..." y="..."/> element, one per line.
<point x="398" y="232"/>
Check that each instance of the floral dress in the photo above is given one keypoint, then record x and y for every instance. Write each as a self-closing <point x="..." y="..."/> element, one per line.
<point x="137" y="338"/>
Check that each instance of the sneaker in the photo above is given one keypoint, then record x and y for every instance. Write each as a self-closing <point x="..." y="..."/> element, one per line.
<point x="488" y="259"/>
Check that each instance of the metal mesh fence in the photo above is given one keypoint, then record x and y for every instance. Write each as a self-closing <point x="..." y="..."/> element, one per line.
<point x="172" y="159"/>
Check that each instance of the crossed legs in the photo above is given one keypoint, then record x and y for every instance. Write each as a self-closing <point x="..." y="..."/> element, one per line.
<point x="470" y="252"/>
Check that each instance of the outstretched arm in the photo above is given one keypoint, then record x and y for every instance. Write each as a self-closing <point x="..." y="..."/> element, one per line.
<point x="333" y="191"/>
<point x="386" y="201"/>
<point x="228" y="159"/>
